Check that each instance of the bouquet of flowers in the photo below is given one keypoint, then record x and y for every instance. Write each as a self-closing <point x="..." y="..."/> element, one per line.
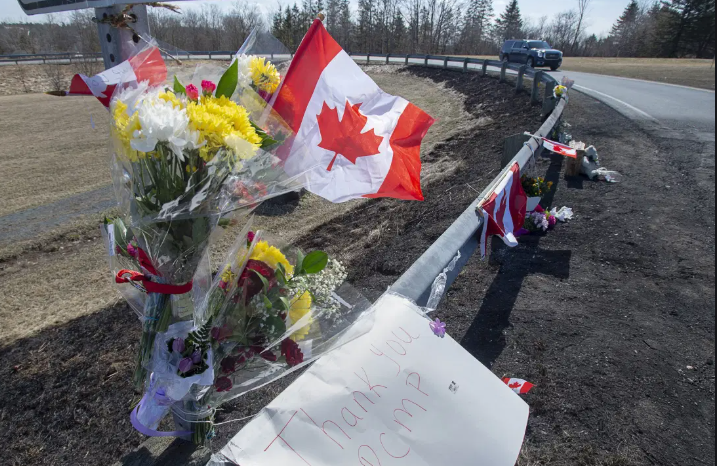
<point x="270" y="311"/>
<point x="539" y="221"/>
<point x="535" y="187"/>
<point x="182" y="156"/>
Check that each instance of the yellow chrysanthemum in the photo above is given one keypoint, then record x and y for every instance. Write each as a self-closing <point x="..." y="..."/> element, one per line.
<point x="264" y="74"/>
<point x="560" y="90"/>
<point x="170" y="96"/>
<point x="271" y="256"/>
<point x="300" y="307"/>
<point x="123" y="127"/>
<point x="221" y="123"/>
<point x="228" y="275"/>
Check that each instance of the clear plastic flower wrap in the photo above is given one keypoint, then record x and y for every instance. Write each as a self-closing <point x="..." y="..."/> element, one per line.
<point x="182" y="158"/>
<point x="271" y="310"/>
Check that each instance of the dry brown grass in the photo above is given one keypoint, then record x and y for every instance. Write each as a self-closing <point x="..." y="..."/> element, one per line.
<point x="685" y="72"/>
<point x="49" y="149"/>
<point x="63" y="274"/>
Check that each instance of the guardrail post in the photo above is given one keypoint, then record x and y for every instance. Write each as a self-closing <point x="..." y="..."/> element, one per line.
<point x="503" y="70"/>
<point x="465" y="65"/>
<point x="535" y="92"/>
<point x="388" y="56"/>
<point x="368" y="58"/>
<point x="406" y="59"/>
<point x="484" y="72"/>
<point x="426" y="61"/>
<point x="210" y="55"/>
<point x="549" y="101"/>
<point x="519" y="82"/>
<point x="445" y="63"/>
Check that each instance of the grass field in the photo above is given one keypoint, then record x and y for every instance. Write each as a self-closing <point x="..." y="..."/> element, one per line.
<point x="686" y="72"/>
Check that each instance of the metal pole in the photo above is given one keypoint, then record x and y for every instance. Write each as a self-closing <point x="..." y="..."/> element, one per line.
<point x="535" y="93"/>
<point x="519" y="82"/>
<point x="118" y="44"/>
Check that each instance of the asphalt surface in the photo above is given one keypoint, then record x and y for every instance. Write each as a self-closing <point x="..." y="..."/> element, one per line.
<point x="656" y="106"/>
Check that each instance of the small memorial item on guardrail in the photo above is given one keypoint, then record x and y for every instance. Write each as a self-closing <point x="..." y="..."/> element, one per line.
<point x="270" y="311"/>
<point x="542" y="220"/>
<point x="573" y="166"/>
<point x="591" y="168"/>
<point x="560" y="149"/>
<point x="519" y="386"/>
<point x="504" y="210"/>
<point x="369" y="141"/>
<point x="397" y="395"/>
<point x="535" y="189"/>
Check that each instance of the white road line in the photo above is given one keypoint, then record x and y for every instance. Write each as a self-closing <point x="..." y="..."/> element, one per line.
<point x="625" y="104"/>
<point x="642" y="81"/>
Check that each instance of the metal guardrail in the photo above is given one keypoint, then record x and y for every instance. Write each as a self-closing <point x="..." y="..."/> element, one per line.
<point x="462" y="236"/>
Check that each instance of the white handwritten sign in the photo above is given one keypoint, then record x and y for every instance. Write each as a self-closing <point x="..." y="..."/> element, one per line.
<point x="397" y="396"/>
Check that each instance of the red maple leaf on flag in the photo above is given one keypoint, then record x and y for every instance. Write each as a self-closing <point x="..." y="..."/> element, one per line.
<point x="345" y="137"/>
<point x="515" y="385"/>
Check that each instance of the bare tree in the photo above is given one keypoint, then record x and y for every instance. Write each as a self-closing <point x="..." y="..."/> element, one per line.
<point x="583" y="6"/>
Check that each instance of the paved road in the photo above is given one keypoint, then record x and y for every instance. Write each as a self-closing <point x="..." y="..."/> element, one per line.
<point x="656" y="106"/>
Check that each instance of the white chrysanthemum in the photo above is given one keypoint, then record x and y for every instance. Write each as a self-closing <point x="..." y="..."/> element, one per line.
<point x="244" y="62"/>
<point x="162" y="122"/>
<point x="131" y="95"/>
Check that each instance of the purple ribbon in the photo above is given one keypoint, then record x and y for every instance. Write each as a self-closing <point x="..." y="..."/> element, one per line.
<point x="141" y="428"/>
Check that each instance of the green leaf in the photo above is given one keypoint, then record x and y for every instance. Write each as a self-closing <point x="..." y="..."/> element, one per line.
<point x="299" y="267"/>
<point x="283" y="304"/>
<point x="228" y="82"/>
<point x="178" y="87"/>
<point x="315" y="262"/>
<point x="263" y="279"/>
<point x="266" y="140"/>
<point x="278" y="324"/>
<point x="267" y="303"/>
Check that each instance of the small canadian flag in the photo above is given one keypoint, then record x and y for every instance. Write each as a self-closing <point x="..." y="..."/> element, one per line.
<point x="147" y="65"/>
<point x="352" y="139"/>
<point x="560" y="149"/>
<point x="519" y="386"/>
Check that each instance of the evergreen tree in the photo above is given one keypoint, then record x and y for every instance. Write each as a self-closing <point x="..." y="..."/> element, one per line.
<point x="623" y="31"/>
<point x="510" y="23"/>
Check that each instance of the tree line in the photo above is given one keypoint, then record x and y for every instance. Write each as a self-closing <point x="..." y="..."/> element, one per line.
<point x="667" y="28"/>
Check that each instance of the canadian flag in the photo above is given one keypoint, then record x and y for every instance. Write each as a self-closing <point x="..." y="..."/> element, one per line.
<point x="504" y="212"/>
<point x="519" y="386"/>
<point x="147" y="65"/>
<point x="352" y="139"/>
<point x="559" y="148"/>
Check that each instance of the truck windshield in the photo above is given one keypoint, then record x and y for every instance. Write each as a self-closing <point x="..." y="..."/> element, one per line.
<point x="538" y="44"/>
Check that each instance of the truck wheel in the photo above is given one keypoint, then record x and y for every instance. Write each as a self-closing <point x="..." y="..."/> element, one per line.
<point x="554" y="68"/>
<point x="531" y="63"/>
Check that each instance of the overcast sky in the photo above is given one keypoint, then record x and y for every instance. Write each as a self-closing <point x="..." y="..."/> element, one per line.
<point x="602" y="14"/>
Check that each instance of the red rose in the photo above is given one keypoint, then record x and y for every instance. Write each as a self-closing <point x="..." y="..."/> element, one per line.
<point x="290" y="349"/>
<point x="223" y="384"/>
<point x="253" y="283"/>
<point x="229" y="364"/>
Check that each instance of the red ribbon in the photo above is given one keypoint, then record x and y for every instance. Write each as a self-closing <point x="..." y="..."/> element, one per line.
<point x="131" y="276"/>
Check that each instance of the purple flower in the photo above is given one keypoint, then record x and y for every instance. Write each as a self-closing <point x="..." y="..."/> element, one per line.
<point x="186" y="365"/>
<point x="197" y="357"/>
<point x="178" y="345"/>
<point x="438" y="328"/>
